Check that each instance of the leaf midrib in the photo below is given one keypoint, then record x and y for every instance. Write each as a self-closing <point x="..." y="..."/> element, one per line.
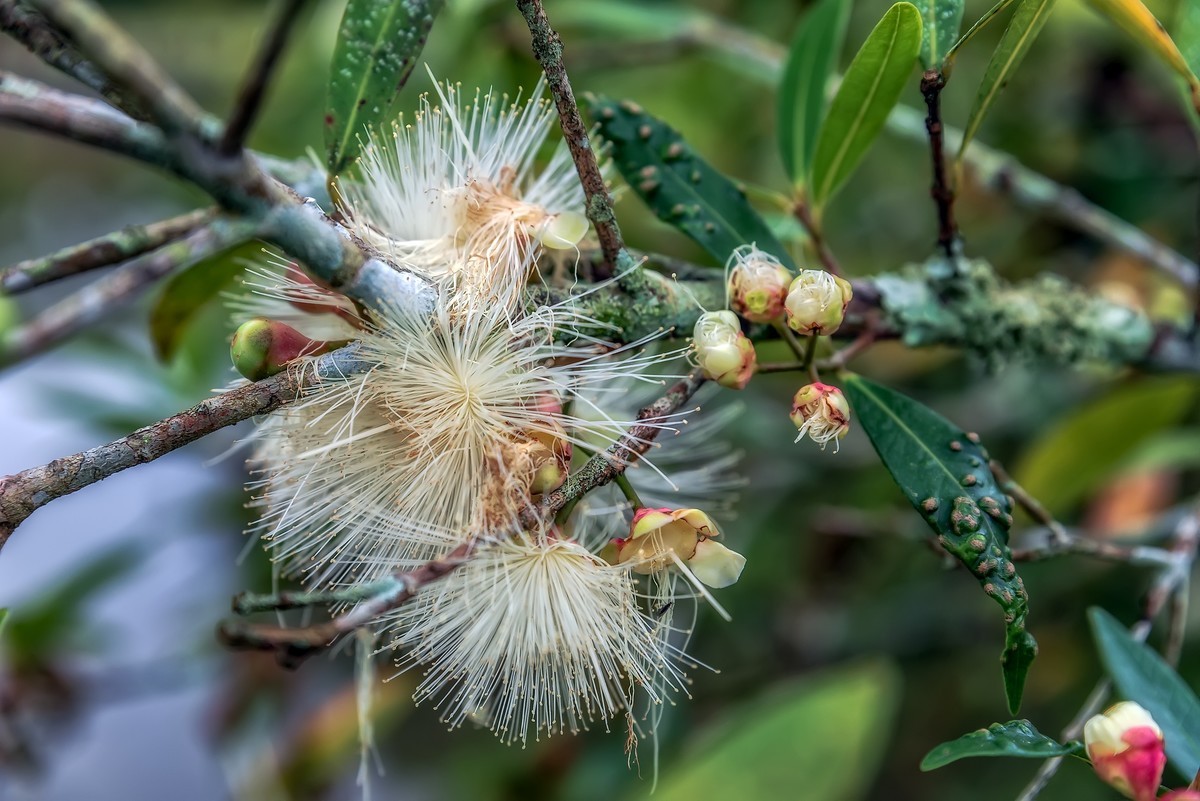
<point x="372" y="58"/>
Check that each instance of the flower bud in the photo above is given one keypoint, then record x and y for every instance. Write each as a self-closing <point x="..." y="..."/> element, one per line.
<point x="724" y="353"/>
<point x="1126" y="749"/>
<point x="551" y="458"/>
<point x="816" y="302"/>
<point x="656" y="534"/>
<point x="563" y="230"/>
<point x="262" y="348"/>
<point x="758" y="285"/>
<point x="821" y="411"/>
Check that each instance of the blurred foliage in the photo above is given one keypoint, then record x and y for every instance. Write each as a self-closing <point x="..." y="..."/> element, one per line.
<point x="836" y="569"/>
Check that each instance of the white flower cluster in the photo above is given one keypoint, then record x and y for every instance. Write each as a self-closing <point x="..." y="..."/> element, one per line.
<point x="468" y="415"/>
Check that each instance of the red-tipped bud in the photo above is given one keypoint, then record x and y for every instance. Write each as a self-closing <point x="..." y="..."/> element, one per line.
<point x="758" y="284"/>
<point x="821" y="411"/>
<point x="724" y="353"/>
<point x="656" y="534"/>
<point x="1126" y="749"/>
<point x="262" y="348"/>
<point x="816" y="302"/>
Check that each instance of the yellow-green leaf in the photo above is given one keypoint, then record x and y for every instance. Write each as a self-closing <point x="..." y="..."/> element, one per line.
<point x="1136" y="19"/>
<point x="819" y="740"/>
<point x="940" y="23"/>
<point x="801" y="100"/>
<point x="1018" y="37"/>
<point x="870" y="87"/>
<point x="1090" y="445"/>
<point x="377" y="46"/>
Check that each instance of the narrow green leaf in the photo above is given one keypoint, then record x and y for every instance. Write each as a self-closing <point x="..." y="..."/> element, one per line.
<point x="870" y="87"/>
<point x="1136" y="19"/>
<point x="1081" y="451"/>
<point x="1017" y="738"/>
<point x="811" y="60"/>
<point x="3" y="620"/>
<point x="1187" y="33"/>
<point x="377" y="46"/>
<point x="679" y="186"/>
<point x="944" y="474"/>
<point x="1018" y="37"/>
<point x="979" y="25"/>
<point x="188" y="292"/>
<point x="1142" y="676"/>
<point x="759" y="749"/>
<point x="940" y="23"/>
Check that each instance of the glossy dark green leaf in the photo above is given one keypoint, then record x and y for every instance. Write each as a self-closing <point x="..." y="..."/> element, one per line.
<point x="679" y="186"/>
<point x="190" y="291"/>
<point x="871" y="86"/>
<point x="1017" y="738"/>
<point x="1018" y="37"/>
<point x="1141" y="675"/>
<point x="811" y="61"/>
<point x="940" y="23"/>
<point x="377" y="47"/>
<point x="762" y="748"/>
<point x="944" y="474"/>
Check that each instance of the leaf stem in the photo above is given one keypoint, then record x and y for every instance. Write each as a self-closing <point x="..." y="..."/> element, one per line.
<point x="628" y="491"/>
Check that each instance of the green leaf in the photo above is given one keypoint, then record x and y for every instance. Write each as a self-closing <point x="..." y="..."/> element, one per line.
<point x="377" y="47"/>
<point x="811" y="61"/>
<point x="979" y="25"/>
<point x="1079" y="452"/>
<point x="1136" y="19"/>
<point x="940" y="23"/>
<point x="3" y="620"/>
<point x="1018" y="37"/>
<point x="1187" y="33"/>
<point x="679" y="186"/>
<point x="1142" y="676"/>
<point x="188" y="292"/>
<point x="944" y="474"/>
<point x="870" y="87"/>
<point x="1017" y="738"/>
<point x="760" y="750"/>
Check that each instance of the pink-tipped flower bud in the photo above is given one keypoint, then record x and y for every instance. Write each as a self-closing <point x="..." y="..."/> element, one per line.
<point x="551" y="458"/>
<point x="758" y="284"/>
<point x="821" y="411"/>
<point x="816" y="302"/>
<point x="262" y="348"/>
<point x="724" y="353"/>
<point x="1126" y="749"/>
<point x="656" y="534"/>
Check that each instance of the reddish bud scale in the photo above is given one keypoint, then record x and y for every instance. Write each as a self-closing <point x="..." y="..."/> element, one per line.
<point x="262" y="348"/>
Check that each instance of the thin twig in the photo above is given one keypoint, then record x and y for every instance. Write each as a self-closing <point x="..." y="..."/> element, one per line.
<point x="32" y="30"/>
<point x="932" y="83"/>
<point x="548" y="50"/>
<point x="605" y="466"/>
<point x="249" y="603"/>
<point x="21" y="494"/>
<point x="129" y="67"/>
<point x="803" y="215"/>
<point x="1030" y="504"/>
<point x="1170" y="579"/>
<point x="254" y="85"/>
<point x="109" y="293"/>
<point x="293" y="645"/>
<point x="103" y="251"/>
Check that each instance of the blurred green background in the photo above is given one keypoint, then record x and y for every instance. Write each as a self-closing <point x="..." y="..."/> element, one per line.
<point x="853" y="649"/>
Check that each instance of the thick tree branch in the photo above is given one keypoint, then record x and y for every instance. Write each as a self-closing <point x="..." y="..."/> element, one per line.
<point x="255" y="84"/>
<point x="24" y="493"/>
<point x="103" y="251"/>
<point x="31" y="29"/>
<point x="103" y="296"/>
<point x="123" y="61"/>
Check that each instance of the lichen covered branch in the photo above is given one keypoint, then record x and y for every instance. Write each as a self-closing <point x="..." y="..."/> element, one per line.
<point x="102" y="251"/>
<point x="24" y="493"/>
